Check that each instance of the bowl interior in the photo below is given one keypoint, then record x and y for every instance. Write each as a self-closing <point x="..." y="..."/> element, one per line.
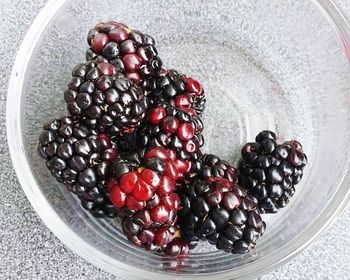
<point x="264" y="65"/>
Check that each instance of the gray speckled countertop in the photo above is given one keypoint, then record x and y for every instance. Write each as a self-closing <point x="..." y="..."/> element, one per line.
<point x="28" y="250"/>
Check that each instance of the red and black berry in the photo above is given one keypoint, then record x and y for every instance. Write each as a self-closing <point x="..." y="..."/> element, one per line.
<point x="130" y="51"/>
<point x="104" y="99"/>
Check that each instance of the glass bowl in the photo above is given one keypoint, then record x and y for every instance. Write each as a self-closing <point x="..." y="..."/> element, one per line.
<point x="279" y="65"/>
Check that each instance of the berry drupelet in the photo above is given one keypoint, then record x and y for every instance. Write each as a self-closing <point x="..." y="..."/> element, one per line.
<point x="80" y="158"/>
<point x="105" y="99"/>
<point x="179" y="90"/>
<point x="130" y="51"/>
<point x="270" y="171"/>
<point x="221" y="213"/>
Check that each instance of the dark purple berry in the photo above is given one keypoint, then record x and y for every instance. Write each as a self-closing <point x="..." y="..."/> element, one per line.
<point x="270" y="170"/>
<point x="79" y="157"/>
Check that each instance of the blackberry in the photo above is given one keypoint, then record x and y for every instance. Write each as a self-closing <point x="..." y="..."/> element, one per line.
<point x="105" y="99"/>
<point x="130" y="51"/>
<point x="222" y="213"/>
<point x="167" y="126"/>
<point x="142" y="187"/>
<point x="179" y="90"/>
<point x="80" y="158"/>
<point x="270" y="170"/>
<point x="135" y="182"/>
<point x="177" y="130"/>
<point x="213" y="167"/>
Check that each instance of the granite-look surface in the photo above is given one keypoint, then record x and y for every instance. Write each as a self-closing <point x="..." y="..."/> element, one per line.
<point x="28" y="250"/>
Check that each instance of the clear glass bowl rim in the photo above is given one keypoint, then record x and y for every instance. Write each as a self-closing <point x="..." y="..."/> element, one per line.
<point x="14" y="136"/>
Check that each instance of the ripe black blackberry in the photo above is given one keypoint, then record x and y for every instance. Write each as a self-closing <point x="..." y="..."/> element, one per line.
<point x="80" y="158"/>
<point x="105" y="99"/>
<point x="183" y="92"/>
<point x="222" y="213"/>
<point x="270" y="171"/>
<point x="130" y="51"/>
<point x="214" y="167"/>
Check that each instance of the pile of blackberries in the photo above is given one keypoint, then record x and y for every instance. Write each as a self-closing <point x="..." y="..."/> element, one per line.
<point x="130" y="147"/>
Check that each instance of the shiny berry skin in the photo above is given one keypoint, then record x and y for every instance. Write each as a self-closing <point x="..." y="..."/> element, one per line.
<point x="133" y="204"/>
<point x="163" y="236"/>
<point x="118" y="198"/>
<point x="193" y="86"/>
<point x="214" y="167"/>
<point x="166" y="186"/>
<point x="174" y="129"/>
<point x="134" y="77"/>
<point x="140" y="231"/>
<point x="178" y="90"/>
<point x="177" y="248"/>
<point x="104" y="99"/>
<point x="132" y="62"/>
<point x="118" y="35"/>
<point x="231" y="201"/>
<point x="136" y="188"/>
<point x="142" y="183"/>
<point x="172" y="201"/>
<point x="106" y="69"/>
<point x="185" y="131"/>
<point x="182" y="101"/>
<point x="80" y="157"/>
<point x="158" y="152"/>
<point x="131" y="52"/>
<point x="99" y="42"/>
<point x="128" y="182"/>
<point x="143" y="189"/>
<point x="128" y="47"/>
<point x="222" y="213"/>
<point x="152" y="239"/>
<point x="143" y="219"/>
<point x="151" y="178"/>
<point x="270" y="170"/>
<point x="170" y="125"/>
<point x="160" y="214"/>
<point x="156" y="115"/>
